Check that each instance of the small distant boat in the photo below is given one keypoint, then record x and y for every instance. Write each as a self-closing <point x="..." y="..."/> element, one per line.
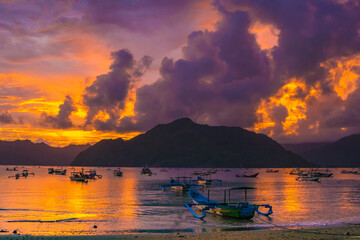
<point x="242" y="210"/>
<point x="78" y="176"/>
<point x="205" y="179"/>
<point x="25" y="173"/>
<point x="315" y="179"/>
<point x="11" y="169"/>
<point x="248" y="176"/>
<point x="227" y="170"/>
<point x="211" y="172"/>
<point x="163" y="170"/>
<point x="320" y="173"/>
<point x="270" y="170"/>
<point x="91" y="174"/>
<point x="60" y="171"/>
<point x="180" y="184"/>
<point x="146" y="171"/>
<point x="352" y="171"/>
<point x="51" y="170"/>
<point x="16" y="176"/>
<point x="197" y="173"/>
<point x="118" y="172"/>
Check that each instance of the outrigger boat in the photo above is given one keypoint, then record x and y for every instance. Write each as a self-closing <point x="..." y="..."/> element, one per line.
<point x="180" y="184"/>
<point x="242" y="210"/>
<point x="205" y="179"/>
<point x="78" y="176"/>
<point x="352" y="171"/>
<point x="146" y="171"/>
<point x="11" y="169"/>
<point x="248" y="176"/>
<point x="91" y="174"/>
<point x="118" y="172"/>
<point x="60" y="171"/>
<point x="304" y="178"/>
<point x="25" y="173"/>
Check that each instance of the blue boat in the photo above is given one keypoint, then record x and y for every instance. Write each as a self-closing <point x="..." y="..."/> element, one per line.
<point x="241" y="210"/>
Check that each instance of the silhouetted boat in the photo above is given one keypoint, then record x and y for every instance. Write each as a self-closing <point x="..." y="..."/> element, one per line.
<point x="60" y="171"/>
<point x="78" y="176"/>
<point x="118" y="172"/>
<point x="352" y="171"/>
<point x="205" y="179"/>
<point x="242" y="210"/>
<point x="11" y="169"/>
<point x="270" y="170"/>
<point x="248" y="176"/>
<point x="304" y="178"/>
<point x="180" y="184"/>
<point x="146" y="171"/>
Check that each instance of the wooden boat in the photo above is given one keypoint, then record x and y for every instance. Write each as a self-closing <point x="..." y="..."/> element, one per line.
<point x="91" y="174"/>
<point x="352" y="171"/>
<point x="60" y="171"/>
<point x="242" y="210"/>
<point x="307" y="178"/>
<point x="248" y="176"/>
<point x="16" y="176"/>
<point x="25" y="173"/>
<point x="180" y="184"/>
<point x="205" y="179"/>
<point x="11" y="169"/>
<point x="146" y="171"/>
<point x="118" y="172"/>
<point x="78" y="176"/>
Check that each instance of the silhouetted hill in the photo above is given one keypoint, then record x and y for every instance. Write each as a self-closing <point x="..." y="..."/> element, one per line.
<point x="25" y="152"/>
<point x="300" y="148"/>
<point x="342" y="153"/>
<point x="183" y="143"/>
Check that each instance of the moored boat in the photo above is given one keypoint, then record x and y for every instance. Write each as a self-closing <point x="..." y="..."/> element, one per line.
<point x="304" y="178"/>
<point x="118" y="172"/>
<point x="241" y="210"/>
<point x="180" y="184"/>
<point x="78" y="176"/>
<point x="248" y="176"/>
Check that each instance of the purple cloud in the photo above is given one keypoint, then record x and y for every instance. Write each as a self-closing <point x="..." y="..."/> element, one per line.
<point x="62" y="119"/>
<point x="109" y="91"/>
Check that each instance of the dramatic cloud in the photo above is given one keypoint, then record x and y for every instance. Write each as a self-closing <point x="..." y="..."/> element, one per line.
<point x="62" y="119"/>
<point x="6" y="118"/>
<point x="107" y="95"/>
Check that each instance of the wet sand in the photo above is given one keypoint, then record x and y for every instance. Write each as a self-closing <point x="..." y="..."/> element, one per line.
<point x="343" y="232"/>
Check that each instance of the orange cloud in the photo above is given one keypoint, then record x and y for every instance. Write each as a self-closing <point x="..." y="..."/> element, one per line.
<point x="296" y="107"/>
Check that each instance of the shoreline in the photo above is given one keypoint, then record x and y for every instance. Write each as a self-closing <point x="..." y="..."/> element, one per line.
<point x="348" y="231"/>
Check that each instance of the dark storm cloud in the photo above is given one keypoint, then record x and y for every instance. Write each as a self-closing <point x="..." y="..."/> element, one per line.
<point x="109" y="91"/>
<point x="224" y="74"/>
<point x="220" y="80"/>
<point x="62" y="119"/>
<point x="311" y="32"/>
<point x="6" y="118"/>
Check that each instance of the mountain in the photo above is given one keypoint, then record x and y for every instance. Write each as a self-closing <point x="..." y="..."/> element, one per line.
<point x="342" y="153"/>
<point x="25" y="152"/>
<point x="183" y="143"/>
<point x="300" y="148"/>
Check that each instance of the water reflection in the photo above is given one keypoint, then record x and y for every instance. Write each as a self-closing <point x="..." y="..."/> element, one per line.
<point x="52" y="204"/>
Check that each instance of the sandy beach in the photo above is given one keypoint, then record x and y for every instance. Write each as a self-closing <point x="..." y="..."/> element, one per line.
<point x="343" y="232"/>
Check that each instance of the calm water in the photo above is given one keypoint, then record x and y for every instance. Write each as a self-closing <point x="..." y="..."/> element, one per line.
<point x="47" y="204"/>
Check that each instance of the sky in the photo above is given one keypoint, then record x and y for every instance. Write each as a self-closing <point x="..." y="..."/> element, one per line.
<point x="77" y="71"/>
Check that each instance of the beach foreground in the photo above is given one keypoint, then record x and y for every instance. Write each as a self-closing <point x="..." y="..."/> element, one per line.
<point x="343" y="232"/>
